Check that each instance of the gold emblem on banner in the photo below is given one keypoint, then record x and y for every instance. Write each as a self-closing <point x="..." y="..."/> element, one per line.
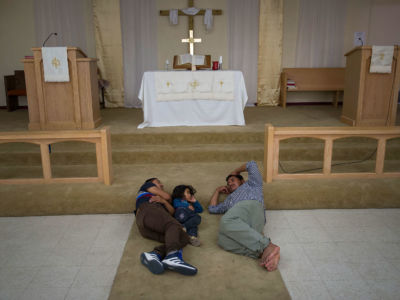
<point x="55" y="62"/>
<point x="194" y="84"/>
<point x="221" y="83"/>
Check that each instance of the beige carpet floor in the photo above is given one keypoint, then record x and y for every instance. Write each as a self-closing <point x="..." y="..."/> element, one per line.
<point x="204" y="163"/>
<point x="123" y="120"/>
<point x="97" y="198"/>
<point x="221" y="275"/>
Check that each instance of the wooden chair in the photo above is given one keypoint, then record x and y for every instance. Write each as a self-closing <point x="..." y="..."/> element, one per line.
<point x="14" y="87"/>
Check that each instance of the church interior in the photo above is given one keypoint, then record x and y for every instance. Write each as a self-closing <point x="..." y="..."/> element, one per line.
<point x="290" y="84"/>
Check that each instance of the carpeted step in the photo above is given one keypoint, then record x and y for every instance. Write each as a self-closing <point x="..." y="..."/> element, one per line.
<point x="289" y="167"/>
<point x="188" y="153"/>
<point x="74" y="153"/>
<point x="144" y="154"/>
<point x="187" y="138"/>
<point x="338" y="166"/>
<point x="91" y="198"/>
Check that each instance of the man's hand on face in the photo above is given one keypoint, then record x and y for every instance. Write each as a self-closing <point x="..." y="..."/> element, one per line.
<point x="156" y="199"/>
<point x="223" y="189"/>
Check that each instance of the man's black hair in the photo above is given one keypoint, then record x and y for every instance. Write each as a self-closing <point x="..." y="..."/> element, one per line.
<point x="179" y="191"/>
<point x="150" y="179"/>
<point x="240" y="177"/>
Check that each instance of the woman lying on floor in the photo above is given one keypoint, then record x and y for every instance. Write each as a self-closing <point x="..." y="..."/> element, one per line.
<point x="154" y="218"/>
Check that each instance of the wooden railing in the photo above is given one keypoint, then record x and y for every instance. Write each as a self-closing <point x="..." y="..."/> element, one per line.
<point x="101" y="138"/>
<point x="273" y="136"/>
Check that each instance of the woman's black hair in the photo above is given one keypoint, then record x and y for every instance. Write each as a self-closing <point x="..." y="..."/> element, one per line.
<point x="150" y="179"/>
<point x="179" y="191"/>
<point x="240" y="177"/>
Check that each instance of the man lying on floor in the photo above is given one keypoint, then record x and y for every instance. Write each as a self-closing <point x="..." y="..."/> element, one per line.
<point x="154" y="218"/>
<point x="241" y="227"/>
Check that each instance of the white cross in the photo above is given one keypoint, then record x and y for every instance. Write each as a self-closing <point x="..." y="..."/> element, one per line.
<point x="191" y="41"/>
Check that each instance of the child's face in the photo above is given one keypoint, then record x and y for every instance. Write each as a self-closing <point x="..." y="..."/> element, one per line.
<point x="186" y="194"/>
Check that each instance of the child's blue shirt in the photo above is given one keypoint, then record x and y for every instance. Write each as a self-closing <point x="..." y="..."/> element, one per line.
<point x="178" y="202"/>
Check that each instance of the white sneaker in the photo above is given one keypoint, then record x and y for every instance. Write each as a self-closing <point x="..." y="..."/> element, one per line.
<point x="174" y="262"/>
<point x="152" y="261"/>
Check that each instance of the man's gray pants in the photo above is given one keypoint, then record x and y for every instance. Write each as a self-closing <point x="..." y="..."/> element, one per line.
<point x="241" y="229"/>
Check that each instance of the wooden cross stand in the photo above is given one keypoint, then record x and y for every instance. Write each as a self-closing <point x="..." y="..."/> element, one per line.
<point x="191" y="42"/>
<point x="215" y="12"/>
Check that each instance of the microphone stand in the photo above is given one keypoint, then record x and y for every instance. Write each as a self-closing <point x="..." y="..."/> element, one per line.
<point x="55" y="33"/>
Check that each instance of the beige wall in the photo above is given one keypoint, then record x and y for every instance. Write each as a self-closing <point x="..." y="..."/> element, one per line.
<point x="91" y="41"/>
<point x="290" y="20"/>
<point x="357" y="20"/>
<point x="385" y="23"/>
<point x="214" y="42"/>
<point x="379" y="19"/>
<point x="17" y="36"/>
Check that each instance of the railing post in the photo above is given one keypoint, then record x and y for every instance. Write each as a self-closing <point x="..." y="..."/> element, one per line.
<point x="46" y="165"/>
<point x="380" y="156"/>
<point x="99" y="158"/>
<point x="328" y="156"/>
<point x="107" y="155"/>
<point x="268" y="152"/>
<point x="275" y="159"/>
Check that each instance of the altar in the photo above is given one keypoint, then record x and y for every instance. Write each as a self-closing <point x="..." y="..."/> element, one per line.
<point x="186" y="98"/>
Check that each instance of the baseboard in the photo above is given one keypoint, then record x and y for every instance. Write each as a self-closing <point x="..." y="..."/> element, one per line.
<point x="312" y="103"/>
<point x="19" y="107"/>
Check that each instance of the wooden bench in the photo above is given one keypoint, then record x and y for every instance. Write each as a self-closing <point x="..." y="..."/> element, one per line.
<point x="312" y="79"/>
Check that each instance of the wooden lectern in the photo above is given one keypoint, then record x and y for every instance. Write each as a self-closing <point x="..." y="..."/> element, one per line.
<point x="370" y="99"/>
<point x="63" y="105"/>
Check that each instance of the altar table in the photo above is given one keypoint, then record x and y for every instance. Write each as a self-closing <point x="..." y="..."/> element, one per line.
<point x="224" y="98"/>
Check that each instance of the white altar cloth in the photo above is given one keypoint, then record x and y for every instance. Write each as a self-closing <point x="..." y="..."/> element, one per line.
<point x="192" y="112"/>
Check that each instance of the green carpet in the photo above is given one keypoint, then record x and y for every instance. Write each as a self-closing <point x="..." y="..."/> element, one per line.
<point x="201" y="156"/>
<point x="221" y="275"/>
<point x="97" y="198"/>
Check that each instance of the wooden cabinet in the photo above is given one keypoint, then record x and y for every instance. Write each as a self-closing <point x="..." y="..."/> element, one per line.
<point x="370" y="99"/>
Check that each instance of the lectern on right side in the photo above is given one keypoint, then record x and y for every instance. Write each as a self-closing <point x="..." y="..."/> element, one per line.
<point x="370" y="99"/>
